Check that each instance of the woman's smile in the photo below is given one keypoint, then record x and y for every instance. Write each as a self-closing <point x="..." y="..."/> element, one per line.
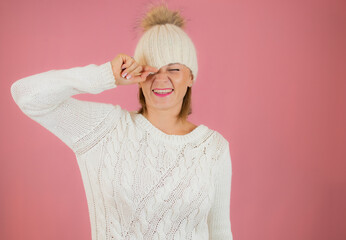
<point x="163" y="93"/>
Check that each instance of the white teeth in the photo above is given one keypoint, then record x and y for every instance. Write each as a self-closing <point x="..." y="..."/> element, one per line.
<point x="163" y="91"/>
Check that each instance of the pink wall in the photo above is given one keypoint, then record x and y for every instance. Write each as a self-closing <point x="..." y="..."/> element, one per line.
<point x="271" y="80"/>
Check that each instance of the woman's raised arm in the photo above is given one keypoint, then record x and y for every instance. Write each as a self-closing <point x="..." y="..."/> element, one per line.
<point x="47" y="99"/>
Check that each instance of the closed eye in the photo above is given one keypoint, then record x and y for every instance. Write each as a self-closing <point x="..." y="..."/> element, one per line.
<point x="174" y="69"/>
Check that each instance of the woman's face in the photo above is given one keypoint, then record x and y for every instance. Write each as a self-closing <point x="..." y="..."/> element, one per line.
<point x="174" y="76"/>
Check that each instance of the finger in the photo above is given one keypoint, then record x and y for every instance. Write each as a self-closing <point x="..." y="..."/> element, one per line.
<point x="128" y="71"/>
<point x="127" y="62"/>
<point x="137" y="71"/>
<point x="147" y="68"/>
<point x="144" y="76"/>
<point x="139" y="77"/>
<point x="131" y="69"/>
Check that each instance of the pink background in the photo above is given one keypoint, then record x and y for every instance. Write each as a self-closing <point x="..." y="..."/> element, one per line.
<point x="272" y="80"/>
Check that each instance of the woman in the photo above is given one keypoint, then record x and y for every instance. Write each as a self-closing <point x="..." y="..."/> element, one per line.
<point x="148" y="174"/>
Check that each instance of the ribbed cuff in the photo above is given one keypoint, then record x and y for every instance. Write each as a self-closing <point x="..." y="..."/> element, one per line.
<point x="107" y="78"/>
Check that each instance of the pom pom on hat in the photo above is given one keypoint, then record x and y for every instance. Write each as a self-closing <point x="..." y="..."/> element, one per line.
<point x="164" y="41"/>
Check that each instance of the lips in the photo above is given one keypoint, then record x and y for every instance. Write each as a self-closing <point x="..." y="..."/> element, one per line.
<point x="155" y="90"/>
<point x="163" y="94"/>
<point x="162" y="88"/>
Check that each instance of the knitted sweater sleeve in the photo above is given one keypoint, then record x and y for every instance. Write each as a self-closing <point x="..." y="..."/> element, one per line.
<point x="219" y="223"/>
<point x="47" y="99"/>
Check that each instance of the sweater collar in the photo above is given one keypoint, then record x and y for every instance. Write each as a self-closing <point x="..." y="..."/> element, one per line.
<point x="199" y="132"/>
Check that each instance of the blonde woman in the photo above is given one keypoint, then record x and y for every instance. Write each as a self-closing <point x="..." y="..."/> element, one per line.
<point x="148" y="174"/>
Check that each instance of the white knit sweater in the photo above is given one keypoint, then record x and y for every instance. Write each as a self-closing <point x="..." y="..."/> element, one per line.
<point x="140" y="182"/>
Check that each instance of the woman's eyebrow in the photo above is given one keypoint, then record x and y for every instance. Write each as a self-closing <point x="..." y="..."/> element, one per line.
<point x="172" y="64"/>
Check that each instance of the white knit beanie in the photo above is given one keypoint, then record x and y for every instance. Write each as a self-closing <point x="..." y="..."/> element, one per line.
<point x="164" y="41"/>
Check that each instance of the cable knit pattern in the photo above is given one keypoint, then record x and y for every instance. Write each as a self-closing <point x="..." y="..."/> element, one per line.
<point x="140" y="182"/>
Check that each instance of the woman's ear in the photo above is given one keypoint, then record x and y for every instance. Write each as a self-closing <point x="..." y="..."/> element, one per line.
<point x="191" y="79"/>
<point x="190" y="82"/>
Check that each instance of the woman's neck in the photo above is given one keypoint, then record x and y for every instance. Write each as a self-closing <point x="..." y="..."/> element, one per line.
<point x="169" y="123"/>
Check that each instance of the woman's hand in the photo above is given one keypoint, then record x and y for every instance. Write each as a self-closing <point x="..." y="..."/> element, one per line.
<point x="127" y="71"/>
